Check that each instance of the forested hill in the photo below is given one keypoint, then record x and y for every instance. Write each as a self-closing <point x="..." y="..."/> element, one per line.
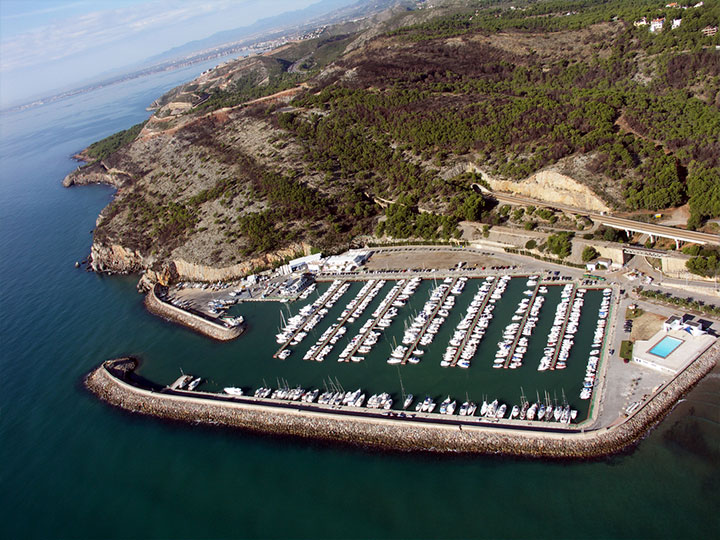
<point x="404" y="106"/>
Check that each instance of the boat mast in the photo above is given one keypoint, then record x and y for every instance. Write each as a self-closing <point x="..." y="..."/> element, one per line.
<point x="402" y="388"/>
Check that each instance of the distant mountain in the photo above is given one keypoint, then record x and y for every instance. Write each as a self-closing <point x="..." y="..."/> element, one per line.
<point x="323" y="12"/>
<point x="301" y="147"/>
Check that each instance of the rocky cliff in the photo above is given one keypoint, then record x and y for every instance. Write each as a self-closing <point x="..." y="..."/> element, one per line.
<point x="262" y="157"/>
<point x="96" y="173"/>
<point x="552" y="187"/>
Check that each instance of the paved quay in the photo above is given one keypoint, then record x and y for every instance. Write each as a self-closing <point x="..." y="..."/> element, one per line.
<point x="199" y="323"/>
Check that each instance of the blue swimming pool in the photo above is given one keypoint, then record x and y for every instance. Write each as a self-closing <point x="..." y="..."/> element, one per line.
<point x="665" y="346"/>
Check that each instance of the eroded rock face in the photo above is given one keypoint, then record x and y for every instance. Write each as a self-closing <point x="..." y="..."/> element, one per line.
<point x="553" y="187"/>
<point x="96" y="173"/>
<point x="185" y="270"/>
<point x="115" y="258"/>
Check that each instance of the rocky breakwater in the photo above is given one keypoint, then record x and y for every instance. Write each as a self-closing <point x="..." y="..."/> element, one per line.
<point x="110" y="382"/>
<point x="196" y="322"/>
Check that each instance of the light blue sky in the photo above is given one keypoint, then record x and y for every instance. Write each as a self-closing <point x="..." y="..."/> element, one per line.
<point x="51" y="44"/>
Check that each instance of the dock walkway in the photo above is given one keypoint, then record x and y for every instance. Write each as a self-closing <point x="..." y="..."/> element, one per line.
<point x="324" y="342"/>
<point x="441" y="301"/>
<point x="474" y="322"/>
<point x="523" y="321"/>
<point x="329" y="294"/>
<point x="561" y="336"/>
<point x="389" y="299"/>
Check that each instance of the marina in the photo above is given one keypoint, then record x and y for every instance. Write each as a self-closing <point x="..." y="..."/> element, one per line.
<point x="382" y="336"/>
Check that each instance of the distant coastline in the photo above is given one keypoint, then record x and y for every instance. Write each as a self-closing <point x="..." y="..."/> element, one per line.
<point x="153" y="70"/>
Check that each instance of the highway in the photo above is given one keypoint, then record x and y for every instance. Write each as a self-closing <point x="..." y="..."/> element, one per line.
<point x="614" y="222"/>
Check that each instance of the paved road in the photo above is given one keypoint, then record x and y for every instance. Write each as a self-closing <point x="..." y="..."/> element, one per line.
<point x="616" y="222"/>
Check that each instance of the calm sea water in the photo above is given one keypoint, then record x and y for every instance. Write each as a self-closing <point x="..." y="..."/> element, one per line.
<point x="73" y="467"/>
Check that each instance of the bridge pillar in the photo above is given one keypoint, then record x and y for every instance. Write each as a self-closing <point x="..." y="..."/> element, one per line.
<point x="652" y="238"/>
<point x="677" y="243"/>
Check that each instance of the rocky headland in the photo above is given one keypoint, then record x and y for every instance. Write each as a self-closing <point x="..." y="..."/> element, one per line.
<point x="266" y="157"/>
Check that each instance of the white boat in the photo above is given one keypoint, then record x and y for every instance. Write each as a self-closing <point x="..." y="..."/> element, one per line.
<point x="233" y="391"/>
<point x="531" y="411"/>
<point x="408" y="401"/>
<point x="284" y="354"/>
<point x="444" y="405"/>
<point x="194" y="383"/>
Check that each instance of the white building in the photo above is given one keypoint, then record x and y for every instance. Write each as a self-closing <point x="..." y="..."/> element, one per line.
<point x="302" y="263"/>
<point x="656" y="25"/>
<point x="676" y="23"/>
<point x="674" y="322"/>
<point x="346" y="262"/>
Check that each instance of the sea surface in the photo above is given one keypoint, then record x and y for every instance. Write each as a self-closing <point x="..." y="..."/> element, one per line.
<point x="73" y="467"/>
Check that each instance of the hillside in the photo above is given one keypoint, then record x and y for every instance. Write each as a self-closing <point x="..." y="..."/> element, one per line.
<point x="293" y="148"/>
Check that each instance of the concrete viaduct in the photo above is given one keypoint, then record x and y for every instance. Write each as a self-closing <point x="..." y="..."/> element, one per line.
<point x="627" y="225"/>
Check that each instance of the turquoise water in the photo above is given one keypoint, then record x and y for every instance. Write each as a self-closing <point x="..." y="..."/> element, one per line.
<point x="76" y="468"/>
<point x="665" y="346"/>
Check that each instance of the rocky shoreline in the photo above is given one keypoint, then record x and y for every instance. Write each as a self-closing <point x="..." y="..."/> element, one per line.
<point x="111" y="383"/>
<point x="195" y="322"/>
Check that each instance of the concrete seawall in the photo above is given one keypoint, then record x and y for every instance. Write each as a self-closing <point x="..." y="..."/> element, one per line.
<point x="110" y="383"/>
<point x="195" y="322"/>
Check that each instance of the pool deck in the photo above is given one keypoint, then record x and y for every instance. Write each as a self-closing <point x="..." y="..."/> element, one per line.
<point x="689" y="348"/>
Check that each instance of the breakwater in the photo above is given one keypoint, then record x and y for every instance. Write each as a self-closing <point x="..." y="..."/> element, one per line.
<point x="112" y="382"/>
<point x="195" y="322"/>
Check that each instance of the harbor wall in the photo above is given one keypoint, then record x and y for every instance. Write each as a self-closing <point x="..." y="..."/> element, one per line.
<point x="201" y="325"/>
<point x="372" y="429"/>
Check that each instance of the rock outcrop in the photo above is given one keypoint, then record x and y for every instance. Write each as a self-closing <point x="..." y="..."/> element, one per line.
<point x="115" y="258"/>
<point x="552" y="187"/>
<point x="96" y="173"/>
<point x="199" y="272"/>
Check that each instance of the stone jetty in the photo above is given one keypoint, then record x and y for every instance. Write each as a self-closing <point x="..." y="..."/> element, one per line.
<point x="112" y="382"/>
<point x="200" y="324"/>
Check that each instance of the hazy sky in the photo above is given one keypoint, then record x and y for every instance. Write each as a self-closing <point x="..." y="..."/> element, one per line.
<point x="51" y="44"/>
